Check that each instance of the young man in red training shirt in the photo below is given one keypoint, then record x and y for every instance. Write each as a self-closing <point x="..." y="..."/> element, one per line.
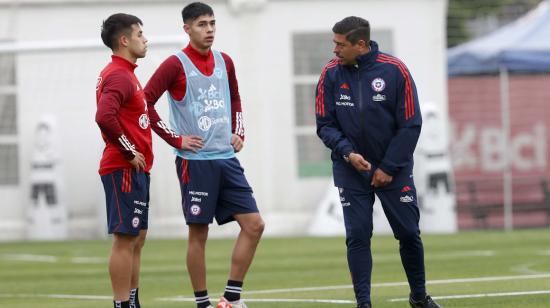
<point x="204" y="101"/>
<point x="123" y="117"/>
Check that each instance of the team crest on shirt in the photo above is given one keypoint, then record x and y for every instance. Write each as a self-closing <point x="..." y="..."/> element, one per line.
<point x="144" y="121"/>
<point x="378" y="84"/>
<point x="98" y="83"/>
<point x="218" y="72"/>
<point x="195" y="210"/>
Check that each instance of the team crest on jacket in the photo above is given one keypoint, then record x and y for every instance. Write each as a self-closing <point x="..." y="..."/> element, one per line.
<point x="144" y="121"/>
<point x="378" y="84"/>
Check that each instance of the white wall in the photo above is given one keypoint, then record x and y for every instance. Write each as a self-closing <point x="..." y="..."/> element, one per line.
<point x="259" y="41"/>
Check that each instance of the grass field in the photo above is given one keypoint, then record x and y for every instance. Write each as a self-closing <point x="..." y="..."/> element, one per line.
<point x="485" y="269"/>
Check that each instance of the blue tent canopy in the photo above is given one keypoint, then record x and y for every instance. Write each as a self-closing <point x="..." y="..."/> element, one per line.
<point x="522" y="46"/>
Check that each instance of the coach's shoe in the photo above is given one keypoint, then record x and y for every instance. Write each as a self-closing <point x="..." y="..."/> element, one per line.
<point x="223" y="303"/>
<point x="428" y="302"/>
<point x="367" y="305"/>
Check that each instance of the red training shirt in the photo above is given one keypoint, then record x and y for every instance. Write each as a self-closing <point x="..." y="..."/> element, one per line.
<point x="122" y="117"/>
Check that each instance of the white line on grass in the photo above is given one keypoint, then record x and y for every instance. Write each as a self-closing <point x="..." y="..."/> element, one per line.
<point x="30" y="258"/>
<point x="61" y="296"/>
<point x="543" y="252"/>
<point x="266" y="300"/>
<point x="526" y="268"/>
<point x="480" y="295"/>
<point x="25" y="257"/>
<point x="400" y="284"/>
<point x="88" y="260"/>
<point x="271" y="291"/>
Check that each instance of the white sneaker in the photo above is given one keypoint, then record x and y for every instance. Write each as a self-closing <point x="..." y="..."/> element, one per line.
<point x="223" y="303"/>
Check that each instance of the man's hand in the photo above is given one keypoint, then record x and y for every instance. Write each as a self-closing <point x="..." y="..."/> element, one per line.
<point x="359" y="163"/>
<point x="237" y="143"/>
<point x="138" y="162"/>
<point x="191" y="143"/>
<point x="381" y="178"/>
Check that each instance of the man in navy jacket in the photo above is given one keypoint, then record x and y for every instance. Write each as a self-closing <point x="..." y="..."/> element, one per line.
<point x="368" y="114"/>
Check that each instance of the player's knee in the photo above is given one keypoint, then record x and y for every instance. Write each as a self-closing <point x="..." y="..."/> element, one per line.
<point x="198" y="233"/>
<point x="358" y="238"/>
<point x="124" y="241"/>
<point x="255" y="228"/>
<point x="140" y="242"/>
<point x="407" y="235"/>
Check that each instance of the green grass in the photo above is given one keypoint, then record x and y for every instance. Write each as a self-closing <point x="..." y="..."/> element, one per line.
<point x="284" y="263"/>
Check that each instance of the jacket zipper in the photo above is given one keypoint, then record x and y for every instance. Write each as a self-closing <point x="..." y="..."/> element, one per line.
<point x="362" y="112"/>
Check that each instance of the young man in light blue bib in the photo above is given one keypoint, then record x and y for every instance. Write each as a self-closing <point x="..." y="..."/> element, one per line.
<point x="205" y="107"/>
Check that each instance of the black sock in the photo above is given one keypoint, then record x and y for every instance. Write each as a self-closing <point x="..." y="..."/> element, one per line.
<point x="121" y="304"/>
<point x="233" y="290"/>
<point x="134" y="298"/>
<point x="201" y="298"/>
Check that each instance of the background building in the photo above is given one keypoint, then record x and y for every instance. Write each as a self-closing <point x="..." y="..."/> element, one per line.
<point x="51" y="55"/>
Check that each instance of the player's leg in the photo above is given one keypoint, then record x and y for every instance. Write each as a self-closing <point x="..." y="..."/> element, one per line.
<point x="141" y="185"/>
<point x="199" y="183"/>
<point x="237" y="202"/>
<point x="121" y="264"/>
<point x="196" y="246"/>
<point x="136" y="267"/>
<point x="403" y="215"/>
<point x="252" y="227"/>
<point x="125" y="220"/>
<point x="357" y="208"/>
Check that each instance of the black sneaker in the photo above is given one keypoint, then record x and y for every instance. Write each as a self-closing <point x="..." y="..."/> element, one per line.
<point x="367" y="305"/>
<point x="428" y="302"/>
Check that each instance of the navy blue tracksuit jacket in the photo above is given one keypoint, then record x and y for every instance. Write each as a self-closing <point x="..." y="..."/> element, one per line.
<point x="372" y="109"/>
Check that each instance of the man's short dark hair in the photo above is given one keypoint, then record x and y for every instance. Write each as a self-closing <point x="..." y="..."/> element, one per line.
<point x="354" y="28"/>
<point x="195" y="10"/>
<point x="117" y="25"/>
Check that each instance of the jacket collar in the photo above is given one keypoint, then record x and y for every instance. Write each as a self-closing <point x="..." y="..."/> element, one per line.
<point x="369" y="57"/>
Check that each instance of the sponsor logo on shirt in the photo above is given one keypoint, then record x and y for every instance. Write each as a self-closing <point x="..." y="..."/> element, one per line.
<point x="345" y="100"/>
<point x="205" y="123"/>
<point x="138" y="211"/>
<point x="195" y="199"/>
<point x="379" y="97"/>
<point x="344" y="86"/>
<point x="193" y="73"/>
<point x="406" y="199"/>
<point x="212" y="98"/>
